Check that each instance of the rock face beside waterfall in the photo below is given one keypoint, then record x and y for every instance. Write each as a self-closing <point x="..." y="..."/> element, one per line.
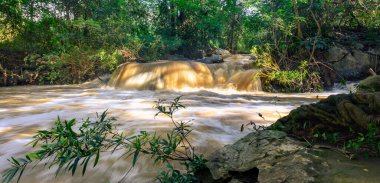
<point x="353" y="63"/>
<point x="265" y="156"/>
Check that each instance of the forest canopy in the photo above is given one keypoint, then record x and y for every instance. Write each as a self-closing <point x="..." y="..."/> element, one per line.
<point x="95" y="36"/>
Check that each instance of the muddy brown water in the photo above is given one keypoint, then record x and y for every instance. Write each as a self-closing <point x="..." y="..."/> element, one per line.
<point x="217" y="116"/>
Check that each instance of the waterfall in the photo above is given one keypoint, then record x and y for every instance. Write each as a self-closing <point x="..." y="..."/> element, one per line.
<point x="177" y="75"/>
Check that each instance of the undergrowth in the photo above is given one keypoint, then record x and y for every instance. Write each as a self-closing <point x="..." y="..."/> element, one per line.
<point x="300" y="77"/>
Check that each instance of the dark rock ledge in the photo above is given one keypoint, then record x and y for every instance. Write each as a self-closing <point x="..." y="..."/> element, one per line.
<point x="268" y="156"/>
<point x="265" y="156"/>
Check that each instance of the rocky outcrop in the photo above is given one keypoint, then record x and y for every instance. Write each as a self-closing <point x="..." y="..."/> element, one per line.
<point x="374" y="51"/>
<point x="272" y="156"/>
<point x="222" y="52"/>
<point x="265" y="156"/>
<point x="337" y="113"/>
<point x="211" y="59"/>
<point x="352" y="63"/>
<point x="371" y="84"/>
<point x="245" y="60"/>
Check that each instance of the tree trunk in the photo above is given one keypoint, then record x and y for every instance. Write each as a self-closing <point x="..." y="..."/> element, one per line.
<point x="299" y="30"/>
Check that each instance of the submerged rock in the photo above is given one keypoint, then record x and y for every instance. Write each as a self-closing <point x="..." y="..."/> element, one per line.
<point x="265" y="156"/>
<point x="98" y="82"/>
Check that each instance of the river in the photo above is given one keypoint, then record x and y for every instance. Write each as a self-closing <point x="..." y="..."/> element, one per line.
<point x="217" y="117"/>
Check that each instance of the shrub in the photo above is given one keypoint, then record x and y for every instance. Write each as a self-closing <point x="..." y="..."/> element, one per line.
<point x="68" y="148"/>
<point x="298" y="79"/>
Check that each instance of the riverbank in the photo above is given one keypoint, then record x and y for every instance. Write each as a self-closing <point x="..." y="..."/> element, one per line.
<point x="343" y="63"/>
<point x="269" y="156"/>
<point x="333" y="140"/>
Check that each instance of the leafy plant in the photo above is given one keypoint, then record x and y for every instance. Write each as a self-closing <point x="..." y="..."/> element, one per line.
<point x="327" y="136"/>
<point x="69" y="149"/>
<point x="295" y="80"/>
<point x="368" y="143"/>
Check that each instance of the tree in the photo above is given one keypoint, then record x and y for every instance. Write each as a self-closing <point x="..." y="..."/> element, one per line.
<point x="299" y="33"/>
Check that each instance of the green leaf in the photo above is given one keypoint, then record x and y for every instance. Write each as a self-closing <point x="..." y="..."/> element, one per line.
<point x="62" y="162"/>
<point x="135" y="157"/>
<point x="15" y="161"/>
<point x="85" y="164"/>
<point x="74" y="165"/>
<point x="21" y="172"/>
<point x="96" y="158"/>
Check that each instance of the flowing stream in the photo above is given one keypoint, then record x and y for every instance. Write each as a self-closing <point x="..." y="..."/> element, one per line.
<point x="217" y="114"/>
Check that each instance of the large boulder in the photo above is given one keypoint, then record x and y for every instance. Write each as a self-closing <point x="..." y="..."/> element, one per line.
<point x="211" y="59"/>
<point x="265" y="156"/>
<point x="224" y="53"/>
<point x="375" y="51"/>
<point x="242" y="59"/>
<point x="370" y="84"/>
<point x="337" y="113"/>
<point x="351" y="64"/>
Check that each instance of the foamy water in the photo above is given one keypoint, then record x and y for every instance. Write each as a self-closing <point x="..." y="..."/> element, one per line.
<point x="217" y="117"/>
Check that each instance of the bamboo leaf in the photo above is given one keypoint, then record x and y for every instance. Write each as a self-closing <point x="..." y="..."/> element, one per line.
<point x="96" y="158"/>
<point x="85" y="164"/>
<point x="135" y="157"/>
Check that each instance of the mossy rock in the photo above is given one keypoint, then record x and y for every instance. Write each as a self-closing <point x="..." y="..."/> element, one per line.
<point x="338" y="113"/>
<point x="370" y="84"/>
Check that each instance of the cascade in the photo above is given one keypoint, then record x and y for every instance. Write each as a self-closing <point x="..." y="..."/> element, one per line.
<point x="177" y="75"/>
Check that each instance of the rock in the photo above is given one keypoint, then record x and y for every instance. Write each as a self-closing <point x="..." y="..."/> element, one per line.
<point x="265" y="156"/>
<point x="358" y="46"/>
<point x="374" y="51"/>
<point x="98" y="82"/>
<point x="337" y="113"/>
<point x="351" y="64"/>
<point x="224" y="53"/>
<point x="242" y="59"/>
<point x="212" y="59"/>
<point x="370" y="84"/>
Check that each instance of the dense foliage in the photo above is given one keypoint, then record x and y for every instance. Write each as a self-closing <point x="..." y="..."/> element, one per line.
<point x="72" y="41"/>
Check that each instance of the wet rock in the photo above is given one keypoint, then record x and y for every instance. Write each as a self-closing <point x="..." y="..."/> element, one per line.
<point x="374" y="51"/>
<point x="370" y="84"/>
<point x="358" y="46"/>
<point x="212" y="59"/>
<point x="337" y="113"/>
<point x="98" y="82"/>
<point x="242" y="59"/>
<point x="224" y="53"/>
<point x="264" y="156"/>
